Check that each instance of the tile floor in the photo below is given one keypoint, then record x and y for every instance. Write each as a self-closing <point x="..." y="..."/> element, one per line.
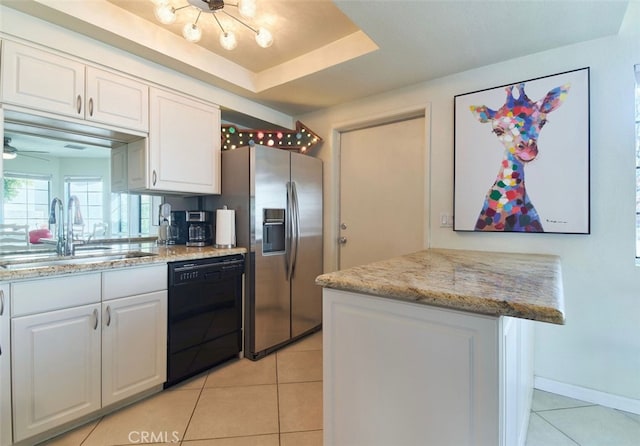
<point x="277" y="401"/>
<point x="560" y="421"/>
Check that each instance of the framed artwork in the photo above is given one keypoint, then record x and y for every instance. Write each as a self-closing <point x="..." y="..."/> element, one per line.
<point x="521" y="156"/>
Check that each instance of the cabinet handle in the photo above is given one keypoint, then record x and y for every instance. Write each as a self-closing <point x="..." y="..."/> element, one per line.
<point x="155" y="177"/>
<point x="95" y="315"/>
<point x="108" y="315"/>
<point x="1" y="302"/>
<point x="79" y="104"/>
<point x="91" y="107"/>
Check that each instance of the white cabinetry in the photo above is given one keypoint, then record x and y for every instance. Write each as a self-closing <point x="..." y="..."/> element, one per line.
<point x="119" y="172"/>
<point x="184" y="144"/>
<point x="421" y="374"/>
<point x="134" y="338"/>
<point x="83" y="342"/>
<point x="5" y="366"/>
<point x="516" y="378"/>
<point x="52" y="83"/>
<point x="56" y="352"/>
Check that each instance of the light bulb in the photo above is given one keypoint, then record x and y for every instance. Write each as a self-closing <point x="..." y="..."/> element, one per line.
<point x="264" y="38"/>
<point x="247" y="8"/>
<point x="160" y="2"/>
<point x="192" y="33"/>
<point x="165" y="13"/>
<point x="228" y="40"/>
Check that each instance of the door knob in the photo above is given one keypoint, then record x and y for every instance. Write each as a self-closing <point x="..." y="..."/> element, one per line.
<point x="342" y="240"/>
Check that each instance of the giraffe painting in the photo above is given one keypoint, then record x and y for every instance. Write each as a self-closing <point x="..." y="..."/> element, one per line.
<point x="517" y="125"/>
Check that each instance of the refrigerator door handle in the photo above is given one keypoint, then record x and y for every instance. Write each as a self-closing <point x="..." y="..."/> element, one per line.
<point x="289" y="232"/>
<point x="296" y="227"/>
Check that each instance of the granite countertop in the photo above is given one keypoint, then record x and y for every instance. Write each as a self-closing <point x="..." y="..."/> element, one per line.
<point x="527" y="286"/>
<point x="84" y="263"/>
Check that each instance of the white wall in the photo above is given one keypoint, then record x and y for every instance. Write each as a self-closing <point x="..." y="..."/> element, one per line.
<point x="599" y="347"/>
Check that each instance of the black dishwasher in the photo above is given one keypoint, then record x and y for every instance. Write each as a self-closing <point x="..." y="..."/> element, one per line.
<point x="204" y="315"/>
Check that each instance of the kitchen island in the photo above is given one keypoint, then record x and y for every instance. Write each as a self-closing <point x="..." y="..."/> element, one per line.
<point x="435" y="347"/>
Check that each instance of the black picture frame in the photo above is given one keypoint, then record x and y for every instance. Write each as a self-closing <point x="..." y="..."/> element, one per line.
<point x="538" y="129"/>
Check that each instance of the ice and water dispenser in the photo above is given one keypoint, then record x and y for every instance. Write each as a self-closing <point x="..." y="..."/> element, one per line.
<point x="273" y="231"/>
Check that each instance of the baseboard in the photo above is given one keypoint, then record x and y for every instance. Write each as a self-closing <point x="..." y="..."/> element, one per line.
<point x="588" y="395"/>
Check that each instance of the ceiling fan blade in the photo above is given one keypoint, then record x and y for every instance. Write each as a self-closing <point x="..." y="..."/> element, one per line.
<point x="34" y="157"/>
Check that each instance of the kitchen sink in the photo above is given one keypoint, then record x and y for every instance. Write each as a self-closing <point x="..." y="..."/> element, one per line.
<point x="46" y="262"/>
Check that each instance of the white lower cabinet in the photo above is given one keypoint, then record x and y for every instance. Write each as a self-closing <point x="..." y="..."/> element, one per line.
<point x="56" y="368"/>
<point x="5" y="366"/>
<point x="133" y="359"/>
<point x="404" y="373"/>
<point x="82" y="343"/>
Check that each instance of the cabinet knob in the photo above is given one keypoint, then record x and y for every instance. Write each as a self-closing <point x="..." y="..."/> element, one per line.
<point x="154" y="177"/>
<point x="91" y="107"/>
<point x="1" y="302"/>
<point x="79" y="103"/>
<point x="342" y="240"/>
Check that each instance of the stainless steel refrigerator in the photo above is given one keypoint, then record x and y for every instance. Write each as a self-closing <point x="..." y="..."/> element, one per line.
<point x="277" y="197"/>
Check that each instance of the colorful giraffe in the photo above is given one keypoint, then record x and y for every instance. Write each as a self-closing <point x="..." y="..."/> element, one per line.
<point x="517" y="125"/>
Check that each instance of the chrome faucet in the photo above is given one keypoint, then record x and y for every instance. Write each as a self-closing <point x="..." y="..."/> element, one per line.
<point x="59" y="224"/>
<point x="69" y="247"/>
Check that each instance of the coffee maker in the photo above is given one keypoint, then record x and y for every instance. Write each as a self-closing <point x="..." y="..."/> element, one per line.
<point x="192" y="228"/>
<point x="199" y="228"/>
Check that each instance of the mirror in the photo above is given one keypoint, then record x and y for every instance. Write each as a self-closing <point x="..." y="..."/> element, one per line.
<point x="37" y="169"/>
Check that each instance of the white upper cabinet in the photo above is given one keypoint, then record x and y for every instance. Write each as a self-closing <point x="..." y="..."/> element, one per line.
<point x="184" y="144"/>
<point x="42" y="80"/>
<point x="51" y="83"/>
<point x="116" y="100"/>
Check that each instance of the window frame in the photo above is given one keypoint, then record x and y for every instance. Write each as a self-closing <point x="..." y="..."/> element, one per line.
<point x="28" y="176"/>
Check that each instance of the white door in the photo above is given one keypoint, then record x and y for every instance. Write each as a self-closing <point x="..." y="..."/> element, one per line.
<point x="56" y="368"/>
<point x="134" y="345"/>
<point x="382" y="192"/>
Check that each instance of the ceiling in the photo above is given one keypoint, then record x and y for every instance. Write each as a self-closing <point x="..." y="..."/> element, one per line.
<point x="326" y="53"/>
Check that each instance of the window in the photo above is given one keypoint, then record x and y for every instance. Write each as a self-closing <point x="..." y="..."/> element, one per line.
<point x="132" y="215"/>
<point x="26" y="200"/>
<point x="637" y="69"/>
<point x="89" y="193"/>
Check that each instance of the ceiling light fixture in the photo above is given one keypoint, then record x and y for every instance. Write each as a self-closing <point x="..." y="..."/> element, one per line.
<point x="166" y="14"/>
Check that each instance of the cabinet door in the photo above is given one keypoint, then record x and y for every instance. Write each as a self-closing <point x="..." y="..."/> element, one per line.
<point x="56" y="368"/>
<point x="119" y="173"/>
<point x="137" y="165"/>
<point x="116" y="100"/>
<point x="184" y="144"/>
<point x="5" y="367"/>
<point x="42" y="80"/>
<point x="134" y="345"/>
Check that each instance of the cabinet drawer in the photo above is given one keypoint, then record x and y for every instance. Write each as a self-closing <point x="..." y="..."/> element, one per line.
<point x="131" y="281"/>
<point x="37" y="296"/>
